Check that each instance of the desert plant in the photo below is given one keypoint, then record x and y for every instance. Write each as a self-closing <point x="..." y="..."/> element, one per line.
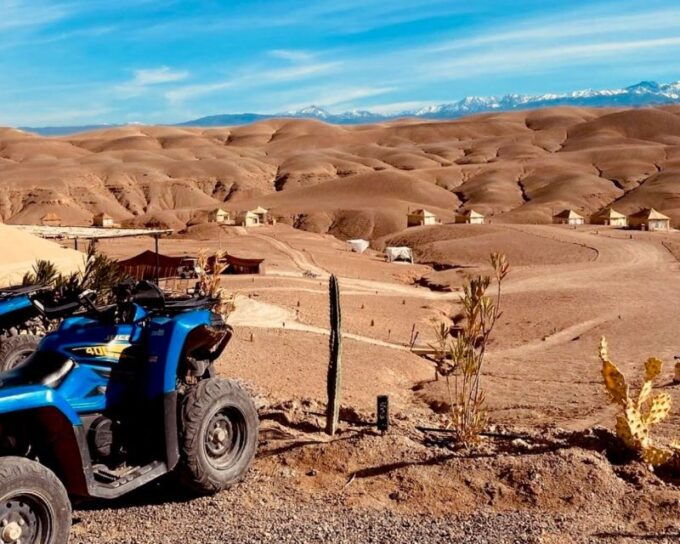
<point x="639" y="413"/>
<point x="42" y="273"/>
<point x="333" y="378"/>
<point x="459" y="352"/>
<point x="209" y="276"/>
<point x="101" y="274"/>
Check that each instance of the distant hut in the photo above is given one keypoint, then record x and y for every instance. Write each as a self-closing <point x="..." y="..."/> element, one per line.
<point x="103" y="220"/>
<point x="219" y="215"/>
<point x="51" y="219"/>
<point x="471" y="217"/>
<point x="610" y="218"/>
<point x="253" y="218"/>
<point x="649" y="219"/>
<point x="420" y="217"/>
<point x="568" y="217"/>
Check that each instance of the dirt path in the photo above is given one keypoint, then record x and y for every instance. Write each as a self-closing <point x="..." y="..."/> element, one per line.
<point x="298" y="258"/>
<point x="254" y="313"/>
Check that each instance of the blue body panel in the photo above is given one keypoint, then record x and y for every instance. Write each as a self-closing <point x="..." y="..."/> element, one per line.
<point x="14" y="304"/>
<point x="16" y="399"/>
<point x="112" y="362"/>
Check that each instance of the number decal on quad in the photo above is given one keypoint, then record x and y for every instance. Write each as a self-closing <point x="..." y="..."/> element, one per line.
<point x="105" y="351"/>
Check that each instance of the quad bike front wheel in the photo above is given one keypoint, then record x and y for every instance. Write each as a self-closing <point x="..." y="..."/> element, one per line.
<point x="218" y="435"/>
<point x="34" y="506"/>
<point x="15" y="349"/>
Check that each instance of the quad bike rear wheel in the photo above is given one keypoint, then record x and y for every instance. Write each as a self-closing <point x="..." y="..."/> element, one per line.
<point x="218" y="435"/>
<point x="34" y="506"/>
<point x="15" y="349"/>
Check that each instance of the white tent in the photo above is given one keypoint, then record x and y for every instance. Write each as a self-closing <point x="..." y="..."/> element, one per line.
<point x="358" y="245"/>
<point x="401" y="253"/>
<point x="19" y="251"/>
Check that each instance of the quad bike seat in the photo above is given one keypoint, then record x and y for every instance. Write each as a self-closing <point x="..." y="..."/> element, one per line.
<point x="40" y="368"/>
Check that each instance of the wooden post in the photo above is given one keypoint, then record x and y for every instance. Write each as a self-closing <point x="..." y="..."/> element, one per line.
<point x="335" y="362"/>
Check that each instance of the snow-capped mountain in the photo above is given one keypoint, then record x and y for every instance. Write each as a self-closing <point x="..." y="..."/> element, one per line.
<point x="645" y="93"/>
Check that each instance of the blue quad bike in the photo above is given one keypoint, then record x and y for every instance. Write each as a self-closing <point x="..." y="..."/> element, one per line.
<point x="21" y="326"/>
<point x="114" y="398"/>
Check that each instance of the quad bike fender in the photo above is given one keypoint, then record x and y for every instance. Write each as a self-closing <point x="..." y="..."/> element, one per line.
<point x="167" y="340"/>
<point x="33" y="397"/>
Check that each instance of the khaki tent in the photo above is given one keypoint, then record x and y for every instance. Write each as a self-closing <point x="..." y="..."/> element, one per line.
<point x="568" y="217"/>
<point x="421" y="217"/>
<point x="610" y="218"/>
<point x="649" y="219"/>
<point x="471" y="217"/>
<point x="19" y="251"/>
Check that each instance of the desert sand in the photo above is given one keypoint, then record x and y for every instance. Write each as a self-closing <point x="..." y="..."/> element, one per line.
<point x="20" y="251"/>
<point x="351" y="181"/>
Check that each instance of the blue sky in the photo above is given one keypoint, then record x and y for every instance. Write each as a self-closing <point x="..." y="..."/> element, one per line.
<point x="65" y="62"/>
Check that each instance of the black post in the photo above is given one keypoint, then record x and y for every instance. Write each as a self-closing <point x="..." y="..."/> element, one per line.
<point x="383" y="413"/>
<point x="75" y="243"/>
<point x="156" y="236"/>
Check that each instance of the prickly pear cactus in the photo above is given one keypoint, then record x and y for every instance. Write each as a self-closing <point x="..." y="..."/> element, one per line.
<point x="335" y="361"/>
<point x="639" y="414"/>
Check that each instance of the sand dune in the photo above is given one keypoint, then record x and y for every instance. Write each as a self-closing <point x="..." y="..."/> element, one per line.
<point x="351" y="180"/>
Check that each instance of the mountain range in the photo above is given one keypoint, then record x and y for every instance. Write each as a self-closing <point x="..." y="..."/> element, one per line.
<point x="645" y="93"/>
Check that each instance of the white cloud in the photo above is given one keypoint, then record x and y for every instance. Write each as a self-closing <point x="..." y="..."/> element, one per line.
<point x="291" y="55"/>
<point x="251" y="79"/>
<point x="156" y="76"/>
<point x="148" y="77"/>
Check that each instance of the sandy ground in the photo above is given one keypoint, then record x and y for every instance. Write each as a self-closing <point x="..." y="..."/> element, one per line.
<point x="543" y="374"/>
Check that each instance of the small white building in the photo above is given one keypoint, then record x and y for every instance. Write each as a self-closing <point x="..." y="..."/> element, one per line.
<point x="471" y="217"/>
<point x="568" y="217"/>
<point x="420" y="217"/>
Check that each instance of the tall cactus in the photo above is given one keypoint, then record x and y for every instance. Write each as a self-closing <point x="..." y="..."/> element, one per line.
<point x="335" y="362"/>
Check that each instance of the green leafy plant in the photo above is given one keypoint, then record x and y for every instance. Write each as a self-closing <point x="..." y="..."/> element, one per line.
<point x="459" y="352"/>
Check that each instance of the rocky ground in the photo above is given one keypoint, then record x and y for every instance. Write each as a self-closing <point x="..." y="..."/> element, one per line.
<point x="517" y="486"/>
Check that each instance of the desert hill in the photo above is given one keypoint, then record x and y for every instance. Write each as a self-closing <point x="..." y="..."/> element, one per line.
<point x="351" y="180"/>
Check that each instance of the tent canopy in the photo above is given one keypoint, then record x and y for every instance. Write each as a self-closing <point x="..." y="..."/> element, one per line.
<point x="399" y="253"/>
<point x="358" y="245"/>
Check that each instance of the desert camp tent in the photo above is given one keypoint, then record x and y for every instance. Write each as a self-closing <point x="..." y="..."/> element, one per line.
<point x="148" y="265"/>
<point x="421" y="217"/>
<point x="103" y="220"/>
<point x="649" y="219"/>
<point x="358" y="245"/>
<point x="19" y="251"/>
<point x="51" y="219"/>
<point x="253" y="218"/>
<point x="609" y="217"/>
<point x="399" y="254"/>
<point x="568" y="217"/>
<point x="240" y="265"/>
<point x="219" y="215"/>
<point x="471" y="217"/>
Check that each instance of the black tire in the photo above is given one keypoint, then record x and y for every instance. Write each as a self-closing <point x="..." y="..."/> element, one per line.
<point x="14" y="349"/>
<point x="33" y="502"/>
<point x="218" y="435"/>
